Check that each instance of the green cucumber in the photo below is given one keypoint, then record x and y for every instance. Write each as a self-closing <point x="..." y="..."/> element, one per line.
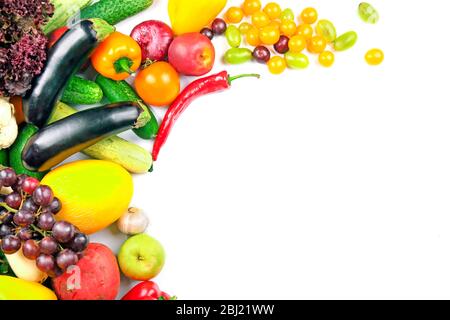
<point x="64" y="10"/>
<point x="82" y="91"/>
<point x="4" y="158"/>
<point x="121" y="91"/>
<point x="132" y="157"/>
<point x="114" y="11"/>
<point x="15" y="152"/>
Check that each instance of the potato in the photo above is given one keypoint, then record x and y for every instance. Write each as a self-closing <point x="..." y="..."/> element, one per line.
<point x="95" y="277"/>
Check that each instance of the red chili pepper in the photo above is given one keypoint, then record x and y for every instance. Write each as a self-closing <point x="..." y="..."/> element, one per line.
<point x="147" y="290"/>
<point x="197" y="88"/>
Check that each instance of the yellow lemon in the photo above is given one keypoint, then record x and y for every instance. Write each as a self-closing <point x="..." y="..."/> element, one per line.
<point x="93" y="193"/>
<point x="18" y="289"/>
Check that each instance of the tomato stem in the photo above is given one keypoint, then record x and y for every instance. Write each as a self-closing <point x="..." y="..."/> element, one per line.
<point x="123" y="65"/>
<point x="246" y="75"/>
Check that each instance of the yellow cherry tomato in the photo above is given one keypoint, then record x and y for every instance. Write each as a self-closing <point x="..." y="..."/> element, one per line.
<point x="269" y="35"/>
<point x="275" y="24"/>
<point x="317" y="44"/>
<point x="297" y="44"/>
<point x="260" y="19"/>
<point x="309" y="15"/>
<point x="374" y="57"/>
<point x="244" y="27"/>
<point x="251" y="6"/>
<point x="273" y="10"/>
<point x="305" y="30"/>
<point x="326" y="58"/>
<point x="288" y="28"/>
<point x="234" y="15"/>
<point x="276" y="65"/>
<point x="252" y="37"/>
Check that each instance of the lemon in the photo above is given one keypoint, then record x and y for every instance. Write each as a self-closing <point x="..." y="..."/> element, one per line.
<point x="18" y="289"/>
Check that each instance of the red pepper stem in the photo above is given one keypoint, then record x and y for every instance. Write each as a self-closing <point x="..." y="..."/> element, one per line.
<point x="247" y="75"/>
<point x="123" y="65"/>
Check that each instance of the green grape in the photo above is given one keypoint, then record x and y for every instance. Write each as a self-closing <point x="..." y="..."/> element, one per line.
<point x="238" y="55"/>
<point x="368" y="13"/>
<point x="233" y="36"/>
<point x="287" y="14"/>
<point x="345" y="41"/>
<point x="296" y="60"/>
<point x="327" y="30"/>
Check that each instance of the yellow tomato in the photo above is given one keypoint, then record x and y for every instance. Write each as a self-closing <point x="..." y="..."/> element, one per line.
<point x="276" y="65"/>
<point x="374" y="57"/>
<point x="326" y="58"/>
<point x="269" y="35"/>
<point x="252" y="37"/>
<point x="317" y="44"/>
<point x="260" y="19"/>
<point x="309" y="15"/>
<point x="288" y="27"/>
<point x="275" y="24"/>
<point x="244" y="27"/>
<point x="234" y="15"/>
<point x="273" y="10"/>
<point x="297" y="44"/>
<point x="305" y="30"/>
<point x="251" y="6"/>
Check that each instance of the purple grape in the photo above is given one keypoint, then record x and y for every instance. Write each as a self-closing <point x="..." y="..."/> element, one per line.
<point x="66" y="258"/>
<point x="11" y="244"/>
<point x="208" y="33"/>
<point x="55" y="206"/>
<point x="63" y="231"/>
<point x="79" y="243"/>
<point x="30" y="205"/>
<point x="30" y="249"/>
<point x="25" y="234"/>
<point x="19" y="182"/>
<point x="80" y="255"/>
<point x="8" y="177"/>
<point x="43" y="196"/>
<point x="8" y="219"/>
<point x="5" y="230"/>
<point x="48" y="245"/>
<point x="46" y="221"/>
<point x="14" y="200"/>
<point x="56" y="272"/>
<point x="282" y="46"/>
<point x="23" y="218"/>
<point x="219" y="26"/>
<point x="45" y="263"/>
<point x="261" y="54"/>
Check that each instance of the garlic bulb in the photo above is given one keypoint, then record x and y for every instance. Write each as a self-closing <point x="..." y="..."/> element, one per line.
<point x="8" y="124"/>
<point x="133" y="222"/>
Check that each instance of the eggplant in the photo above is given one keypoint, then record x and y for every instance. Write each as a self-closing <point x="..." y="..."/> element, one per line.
<point x="61" y="139"/>
<point x="63" y="60"/>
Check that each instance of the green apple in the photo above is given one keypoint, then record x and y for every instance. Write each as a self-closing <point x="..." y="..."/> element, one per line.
<point x="141" y="257"/>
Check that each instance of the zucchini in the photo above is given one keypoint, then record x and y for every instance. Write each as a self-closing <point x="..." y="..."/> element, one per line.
<point x="121" y="91"/>
<point x="114" y="11"/>
<point x="64" y="10"/>
<point x="4" y="158"/>
<point x="15" y="152"/>
<point x="62" y="139"/>
<point x="63" y="60"/>
<point x="82" y="91"/>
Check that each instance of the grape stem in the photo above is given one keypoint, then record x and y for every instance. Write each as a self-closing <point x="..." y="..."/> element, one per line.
<point x="4" y="205"/>
<point x="42" y="233"/>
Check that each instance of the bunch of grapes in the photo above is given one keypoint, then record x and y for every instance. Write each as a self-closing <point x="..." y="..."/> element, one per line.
<point x="27" y="222"/>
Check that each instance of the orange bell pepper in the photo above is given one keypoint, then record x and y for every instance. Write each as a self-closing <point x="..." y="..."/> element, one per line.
<point x="117" y="57"/>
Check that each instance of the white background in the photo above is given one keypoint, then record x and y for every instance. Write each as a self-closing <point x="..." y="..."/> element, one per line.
<point x="324" y="183"/>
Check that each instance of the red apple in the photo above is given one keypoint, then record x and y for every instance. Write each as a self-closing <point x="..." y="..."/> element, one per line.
<point x="192" y="54"/>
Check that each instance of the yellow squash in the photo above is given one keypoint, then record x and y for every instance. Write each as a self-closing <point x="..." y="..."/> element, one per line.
<point x="191" y="16"/>
<point x="93" y="193"/>
<point x="18" y="289"/>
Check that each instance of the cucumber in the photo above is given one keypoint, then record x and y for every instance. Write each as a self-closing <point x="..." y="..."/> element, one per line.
<point x="132" y="157"/>
<point x="82" y="91"/>
<point x="114" y="11"/>
<point x="15" y="152"/>
<point x="121" y="91"/>
<point x="64" y="10"/>
<point x="4" y="158"/>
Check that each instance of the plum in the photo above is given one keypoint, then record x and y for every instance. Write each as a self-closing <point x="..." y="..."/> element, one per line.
<point x="154" y="38"/>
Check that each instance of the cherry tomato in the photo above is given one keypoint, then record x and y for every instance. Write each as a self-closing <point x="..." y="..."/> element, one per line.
<point x="158" y="84"/>
<point x="273" y="10"/>
<point x="309" y="15"/>
<point x="326" y="58"/>
<point x="305" y="30"/>
<point x="374" y="57"/>
<point x="288" y="27"/>
<point x="297" y="44"/>
<point x="275" y="24"/>
<point x="251" y="6"/>
<point x="276" y="65"/>
<point x="317" y="44"/>
<point x="260" y="19"/>
<point x="269" y="35"/>
<point x="252" y="37"/>
<point x="234" y="15"/>
<point x="244" y="27"/>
